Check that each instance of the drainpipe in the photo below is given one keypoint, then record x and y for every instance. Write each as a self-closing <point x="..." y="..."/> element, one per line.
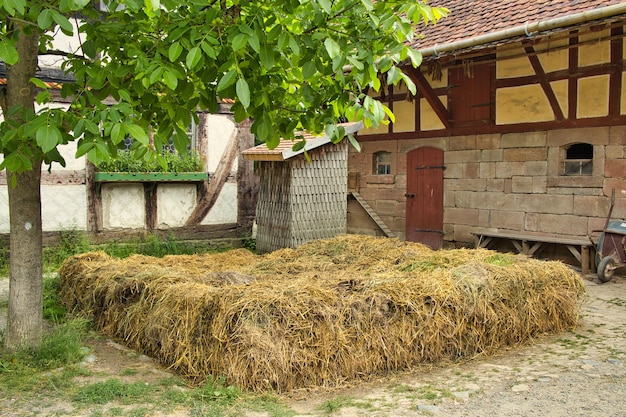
<point x="527" y="29"/>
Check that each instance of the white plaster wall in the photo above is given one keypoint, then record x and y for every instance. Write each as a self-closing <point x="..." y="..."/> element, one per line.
<point x="64" y="207"/>
<point x="175" y="202"/>
<point x="123" y="206"/>
<point x="68" y="152"/>
<point x="219" y="131"/>
<point x="62" y="42"/>
<point x="4" y="210"/>
<point x="225" y="208"/>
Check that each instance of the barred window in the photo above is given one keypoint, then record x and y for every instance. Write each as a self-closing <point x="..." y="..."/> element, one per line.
<point x="578" y="159"/>
<point x="382" y="163"/>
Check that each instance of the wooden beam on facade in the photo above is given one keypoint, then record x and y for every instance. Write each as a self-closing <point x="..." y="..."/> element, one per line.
<point x="210" y="191"/>
<point x="545" y="84"/>
<point x="429" y="94"/>
<point x="617" y="67"/>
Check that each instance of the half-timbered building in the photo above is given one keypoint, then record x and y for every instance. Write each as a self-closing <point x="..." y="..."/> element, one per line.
<point x="517" y="130"/>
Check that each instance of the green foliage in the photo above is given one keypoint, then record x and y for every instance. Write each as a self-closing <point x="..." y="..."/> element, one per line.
<point x="53" y="309"/>
<point x="215" y="390"/>
<point x="71" y="242"/>
<point x="125" y="161"/>
<point x="61" y="347"/>
<point x="112" y="390"/>
<point x="288" y="65"/>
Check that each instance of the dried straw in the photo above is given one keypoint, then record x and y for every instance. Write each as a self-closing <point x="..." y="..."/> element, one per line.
<point x="324" y="314"/>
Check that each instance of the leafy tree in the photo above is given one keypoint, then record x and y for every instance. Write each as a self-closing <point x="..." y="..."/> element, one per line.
<point x="144" y="66"/>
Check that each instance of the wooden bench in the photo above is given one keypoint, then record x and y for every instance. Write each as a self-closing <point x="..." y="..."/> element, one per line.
<point x="531" y="245"/>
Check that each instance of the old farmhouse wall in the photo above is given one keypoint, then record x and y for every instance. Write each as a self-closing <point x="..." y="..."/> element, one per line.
<point x="222" y="206"/>
<point x="532" y="132"/>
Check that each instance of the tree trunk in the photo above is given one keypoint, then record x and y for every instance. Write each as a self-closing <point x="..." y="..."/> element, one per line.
<point x="25" y="317"/>
<point x="25" y="321"/>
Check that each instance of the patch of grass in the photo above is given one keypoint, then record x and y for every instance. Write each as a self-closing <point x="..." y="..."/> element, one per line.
<point x="53" y="309"/>
<point x="52" y="365"/>
<point x="129" y="372"/>
<point x="71" y="242"/>
<point x="112" y="390"/>
<point x="336" y="404"/>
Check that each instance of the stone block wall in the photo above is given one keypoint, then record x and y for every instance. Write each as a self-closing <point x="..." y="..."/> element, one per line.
<point x="507" y="182"/>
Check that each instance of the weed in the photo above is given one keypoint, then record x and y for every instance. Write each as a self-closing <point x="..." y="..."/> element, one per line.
<point x="217" y="391"/>
<point x="112" y="390"/>
<point x="53" y="309"/>
<point x="336" y="404"/>
<point x="129" y="372"/>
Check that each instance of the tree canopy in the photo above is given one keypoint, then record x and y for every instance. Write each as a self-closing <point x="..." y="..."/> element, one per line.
<point x="288" y="64"/>
<point x="143" y="68"/>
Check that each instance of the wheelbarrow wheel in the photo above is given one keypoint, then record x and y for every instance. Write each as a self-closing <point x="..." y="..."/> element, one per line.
<point x="606" y="269"/>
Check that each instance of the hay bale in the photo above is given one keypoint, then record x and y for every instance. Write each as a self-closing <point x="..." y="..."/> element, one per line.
<point x="326" y="313"/>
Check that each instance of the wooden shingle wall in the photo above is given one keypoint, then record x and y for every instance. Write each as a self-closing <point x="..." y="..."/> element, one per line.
<point x="301" y="201"/>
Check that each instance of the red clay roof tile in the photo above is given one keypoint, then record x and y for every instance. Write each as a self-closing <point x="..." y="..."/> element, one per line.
<point x="471" y="18"/>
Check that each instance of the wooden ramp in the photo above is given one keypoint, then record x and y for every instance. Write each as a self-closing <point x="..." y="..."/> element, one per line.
<point x="370" y="211"/>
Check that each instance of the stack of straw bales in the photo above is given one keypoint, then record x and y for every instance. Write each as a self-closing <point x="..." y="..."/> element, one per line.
<point x="324" y="314"/>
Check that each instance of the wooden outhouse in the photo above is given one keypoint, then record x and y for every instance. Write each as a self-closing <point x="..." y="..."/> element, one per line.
<point x="301" y="200"/>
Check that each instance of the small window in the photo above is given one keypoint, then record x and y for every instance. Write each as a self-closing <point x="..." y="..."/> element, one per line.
<point x="382" y="163"/>
<point x="578" y="159"/>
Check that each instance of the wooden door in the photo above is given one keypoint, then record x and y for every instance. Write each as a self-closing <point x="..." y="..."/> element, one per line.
<point x="424" y="197"/>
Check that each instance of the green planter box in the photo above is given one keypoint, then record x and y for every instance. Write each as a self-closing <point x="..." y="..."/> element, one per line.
<point x="150" y="176"/>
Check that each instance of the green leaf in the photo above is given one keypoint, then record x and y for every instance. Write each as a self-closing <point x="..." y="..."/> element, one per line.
<point x="263" y="131"/>
<point x="208" y="50"/>
<point x="239" y="41"/>
<point x="78" y="4"/>
<point x="48" y="137"/>
<point x="227" y="80"/>
<point x="267" y="56"/>
<point x="8" y="53"/>
<point x="193" y="57"/>
<point x="137" y="132"/>
<point x="174" y="52"/>
<point x="117" y="133"/>
<point x="16" y="162"/>
<point x="44" y="20"/>
<point x="325" y="5"/>
<point x="124" y="95"/>
<point x="62" y="21"/>
<point x="309" y="70"/>
<point x="38" y="83"/>
<point x="170" y="80"/>
<point x="332" y="48"/>
<point x="355" y="144"/>
<point x="243" y="92"/>
<point x="83" y="148"/>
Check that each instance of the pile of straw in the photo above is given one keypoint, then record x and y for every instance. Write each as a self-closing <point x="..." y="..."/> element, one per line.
<point x="326" y="313"/>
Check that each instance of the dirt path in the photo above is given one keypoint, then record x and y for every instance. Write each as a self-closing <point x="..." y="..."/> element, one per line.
<point x="580" y="373"/>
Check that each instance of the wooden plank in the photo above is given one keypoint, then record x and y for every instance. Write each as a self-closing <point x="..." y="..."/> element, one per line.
<point x="543" y="81"/>
<point x="368" y="209"/>
<point x="211" y="191"/>
<point x="429" y="94"/>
